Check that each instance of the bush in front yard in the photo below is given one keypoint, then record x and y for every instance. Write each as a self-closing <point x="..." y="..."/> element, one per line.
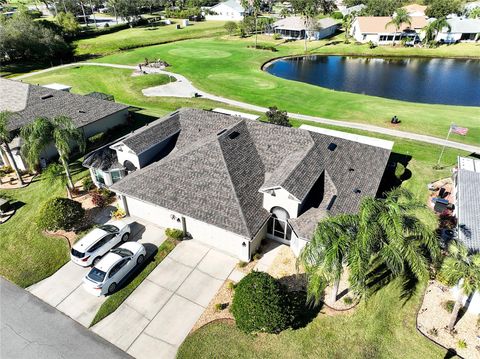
<point x="174" y="233"/>
<point x="60" y="213"/>
<point x="261" y="304"/>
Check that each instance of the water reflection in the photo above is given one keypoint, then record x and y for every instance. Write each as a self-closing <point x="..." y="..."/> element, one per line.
<point x="443" y="81"/>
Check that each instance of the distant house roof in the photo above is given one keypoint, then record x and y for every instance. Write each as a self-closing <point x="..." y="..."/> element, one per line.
<point x="30" y="102"/>
<point x="468" y="202"/>
<point x="353" y="9"/>
<point x="297" y="23"/>
<point x="463" y="25"/>
<point x="234" y="5"/>
<point x="221" y="164"/>
<point x="57" y="86"/>
<point x="415" y="8"/>
<point x="378" y="24"/>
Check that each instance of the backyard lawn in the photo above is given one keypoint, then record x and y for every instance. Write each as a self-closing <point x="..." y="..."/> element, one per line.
<point x="229" y="68"/>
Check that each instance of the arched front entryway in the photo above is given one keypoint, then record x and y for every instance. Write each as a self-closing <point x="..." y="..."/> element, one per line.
<point x="278" y="227"/>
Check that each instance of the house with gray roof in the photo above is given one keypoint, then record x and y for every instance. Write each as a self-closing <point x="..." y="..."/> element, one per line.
<point x="29" y="102"/>
<point x="226" y="10"/>
<point x="295" y="28"/>
<point x="461" y="30"/>
<point x="231" y="181"/>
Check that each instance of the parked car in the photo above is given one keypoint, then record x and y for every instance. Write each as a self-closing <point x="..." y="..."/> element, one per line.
<point x="90" y="249"/>
<point x="107" y="274"/>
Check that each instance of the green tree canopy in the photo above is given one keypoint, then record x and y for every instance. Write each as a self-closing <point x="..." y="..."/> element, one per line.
<point x="442" y="8"/>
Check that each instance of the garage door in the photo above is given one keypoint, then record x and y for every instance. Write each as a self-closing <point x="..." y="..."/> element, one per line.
<point x="148" y="212"/>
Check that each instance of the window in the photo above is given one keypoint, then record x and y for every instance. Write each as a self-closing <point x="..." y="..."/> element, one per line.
<point x="101" y="242"/>
<point x="117" y="267"/>
<point x="116" y="176"/>
<point x="99" y="176"/>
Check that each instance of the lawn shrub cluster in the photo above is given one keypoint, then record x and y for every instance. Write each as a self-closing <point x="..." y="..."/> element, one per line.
<point x="264" y="47"/>
<point x="260" y="304"/>
<point x="60" y="213"/>
<point x="101" y="197"/>
<point x="174" y="233"/>
<point x="87" y="183"/>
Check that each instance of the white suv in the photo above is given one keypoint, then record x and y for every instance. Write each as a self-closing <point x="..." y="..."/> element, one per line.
<point x="99" y="241"/>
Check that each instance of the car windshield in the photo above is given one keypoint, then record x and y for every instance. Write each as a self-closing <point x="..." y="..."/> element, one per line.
<point x="110" y="228"/>
<point x="77" y="254"/>
<point x="96" y="275"/>
<point x="122" y="252"/>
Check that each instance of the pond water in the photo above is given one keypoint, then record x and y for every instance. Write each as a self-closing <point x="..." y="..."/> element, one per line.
<point x="442" y="81"/>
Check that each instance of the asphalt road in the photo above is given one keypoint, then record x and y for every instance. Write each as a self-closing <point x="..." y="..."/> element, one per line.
<point x="30" y="328"/>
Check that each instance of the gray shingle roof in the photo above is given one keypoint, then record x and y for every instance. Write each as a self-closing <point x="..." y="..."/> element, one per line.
<point x="103" y="158"/>
<point x="220" y="163"/>
<point x="152" y="134"/>
<point x="468" y="208"/>
<point x="31" y="101"/>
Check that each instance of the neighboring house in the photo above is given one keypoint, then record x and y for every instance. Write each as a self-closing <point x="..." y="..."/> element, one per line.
<point x="352" y="9"/>
<point x="375" y="29"/>
<point x="415" y="9"/>
<point x="466" y="191"/>
<point x="29" y="102"/>
<point x="461" y="29"/>
<point x="228" y="10"/>
<point x="232" y="181"/>
<point x="293" y="27"/>
<point x="471" y="6"/>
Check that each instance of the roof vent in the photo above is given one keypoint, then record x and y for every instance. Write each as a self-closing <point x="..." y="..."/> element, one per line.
<point x="233" y="135"/>
<point x="357" y="191"/>
<point x="351" y="169"/>
<point x="81" y="111"/>
<point x="48" y="95"/>
<point x="332" y="146"/>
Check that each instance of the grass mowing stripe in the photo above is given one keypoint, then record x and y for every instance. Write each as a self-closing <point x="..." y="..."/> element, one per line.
<point x="116" y="299"/>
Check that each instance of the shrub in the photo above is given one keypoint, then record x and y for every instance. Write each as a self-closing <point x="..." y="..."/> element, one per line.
<point x="348" y="300"/>
<point x="60" y="213"/>
<point x="399" y="170"/>
<point x="242" y="264"/>
<point x="433" y="332"/>
<point x="462" y="344"/>
<point x="337" y="15"/>
<point x="174" y="233"/>
<point x="87" y="183"/>
<point x="231" y="286"/>
<point x="447" y="220"/>
<point x="231" y="27"/>
<point x="260" y="304"/>
<point x="5" y="170"/>
<point x="277" y="36"/>
<point x="448" y="305"/>
<point x="371" y="44"/>
<point x="277" y="117"/>
<point x="98" y="199"/>
<point x="257" y="256"/>
<point x="119" y="213"/>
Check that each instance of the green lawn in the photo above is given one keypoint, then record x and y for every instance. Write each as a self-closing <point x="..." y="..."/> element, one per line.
<point x="26" y="255"/>
<point x="114" y="300"/>
<point x="229" y="68"/>
<point x="146" y="35"/>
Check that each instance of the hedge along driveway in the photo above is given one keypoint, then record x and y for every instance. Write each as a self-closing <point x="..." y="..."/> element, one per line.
<point x="230" y="69"/>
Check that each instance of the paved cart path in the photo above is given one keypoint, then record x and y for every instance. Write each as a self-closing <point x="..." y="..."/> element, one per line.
<point x="354" y="125"/>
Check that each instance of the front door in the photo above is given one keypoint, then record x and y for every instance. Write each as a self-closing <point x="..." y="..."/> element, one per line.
<point x="278" y="227"/>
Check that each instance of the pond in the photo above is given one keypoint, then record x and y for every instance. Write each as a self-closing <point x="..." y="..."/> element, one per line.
<point x="440" y="81"/>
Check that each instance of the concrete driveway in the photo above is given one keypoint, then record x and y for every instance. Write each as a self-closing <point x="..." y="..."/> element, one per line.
<point x="63" y="290"/>
<point x="159" y="314"/>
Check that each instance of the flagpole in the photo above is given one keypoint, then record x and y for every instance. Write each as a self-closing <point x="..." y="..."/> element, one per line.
<point x="443" y="148"/>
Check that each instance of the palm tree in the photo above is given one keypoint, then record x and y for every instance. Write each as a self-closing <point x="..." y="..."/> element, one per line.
<point x="324" y="257"/>
<point x="347" y="25"/>
<point x="398" y="20"/>
<point x="55" y="174"/>
<point x="433" y="28"/>
<point x="5" y="138"/>
<point x="40" y="133"/>
<point x="253" y="5"/>
<point x="462" y="268"/>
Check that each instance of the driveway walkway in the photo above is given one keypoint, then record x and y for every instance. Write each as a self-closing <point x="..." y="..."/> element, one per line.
<point x="63" y="290"/>
<point x="159" y="314"/>
<point x="359" y="126"/>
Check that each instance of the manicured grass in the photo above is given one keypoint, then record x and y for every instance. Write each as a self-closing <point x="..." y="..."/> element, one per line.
<point x="382" y="328"/>
<point x="146" y="35"/>
<point x="229" y="68"/>
<point x="114" y="301"/>
<point x="26" y="255"/>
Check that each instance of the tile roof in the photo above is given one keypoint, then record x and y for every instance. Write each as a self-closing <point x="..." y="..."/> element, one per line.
<point x="30" y="102"/>
<point x="468" y="208"/>
<point x="221" y="162"/>
<point x="378" y="24"/>
<point x="415" y="8"/>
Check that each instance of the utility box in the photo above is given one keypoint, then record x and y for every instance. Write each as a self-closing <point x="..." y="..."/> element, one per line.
<point x="185" y="22"/>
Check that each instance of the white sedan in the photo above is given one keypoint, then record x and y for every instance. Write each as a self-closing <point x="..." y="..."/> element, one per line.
<point x="107" y="274"/>
<point x="90" y="249"/>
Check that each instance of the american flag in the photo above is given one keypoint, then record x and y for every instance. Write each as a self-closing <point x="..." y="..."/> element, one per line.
<point x="459" y="130"/>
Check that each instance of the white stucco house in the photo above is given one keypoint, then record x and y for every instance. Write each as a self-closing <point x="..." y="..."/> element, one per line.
<point x="294" y="28"/>
<point x="232" y="181"/>
<point x="466" y="193"/>
<point x="28" y="102"/>
<point x="378" y="30"/>
<point x="461" y="30"/>
<point x="227" y="10"/>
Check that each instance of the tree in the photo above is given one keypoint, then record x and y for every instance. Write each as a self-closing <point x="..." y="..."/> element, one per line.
<point x="55" y="174"/>
<point x="347" y="25"/>
<point x="254" y="6"/>
<point x="60" y="213"/>
<point x="384" y="235"/>
<point x="463" y="269"/>
<point x="230" y="27"/>
<point x="327" y="6"/>
<point x="398" y="20"/>
<point x="474" y="14"/>
<point x="284" y="12"/>
<point x="382" y="7"/>
<point x="277" y="117"/>
<point x="5" y="138"/>
<point x="433" y="28"/>
<point x="442" y="8"/>
<point x="68" y="23"/>
<point x="308" y="9"/>
<point x="39" y="134"/>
